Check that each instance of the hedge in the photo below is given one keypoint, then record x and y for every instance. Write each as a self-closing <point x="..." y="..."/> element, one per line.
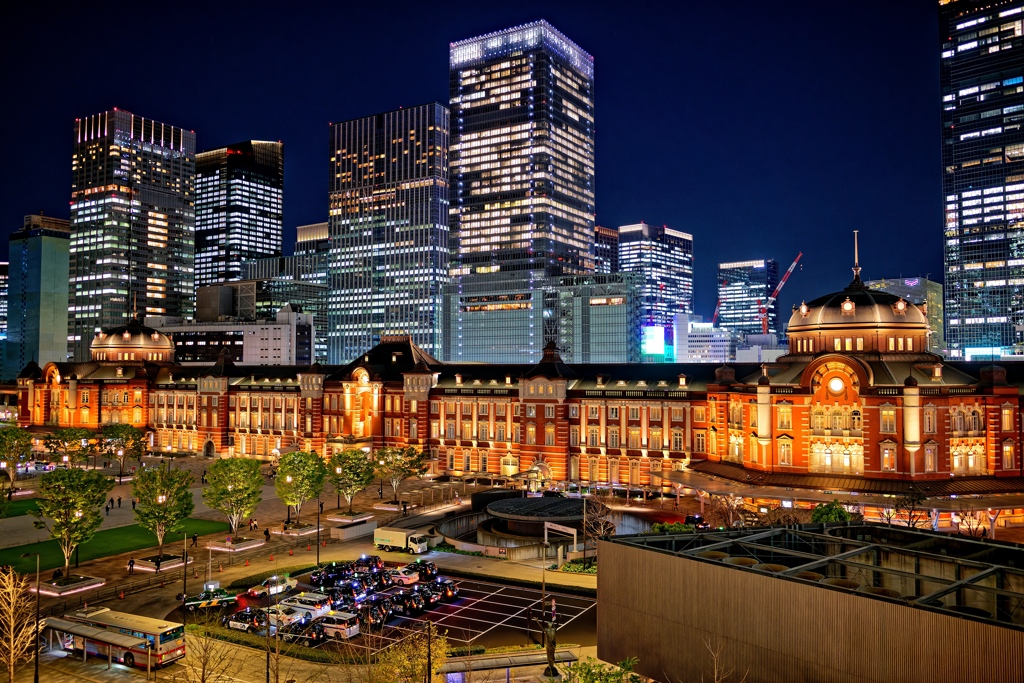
<point x="253" y="579"/>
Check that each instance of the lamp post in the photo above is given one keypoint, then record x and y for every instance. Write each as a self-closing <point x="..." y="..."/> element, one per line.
<point x="337" y="470"/>
<point x="36" y="679"/>
<point x="318" y="529"/>
<point x="184" y="572"/>
<point x="78" y="515"/>
<point x="288" y="479"/>
<point x="3" y="466"/>
<point x="380" y="491"/>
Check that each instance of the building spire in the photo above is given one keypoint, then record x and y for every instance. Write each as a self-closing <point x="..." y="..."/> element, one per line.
<point x="856" y="262"/>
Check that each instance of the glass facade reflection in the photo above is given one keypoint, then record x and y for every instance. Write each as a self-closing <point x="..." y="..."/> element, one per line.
<point x="132" y="223"/>
<point x="743" y="288"/>
<point x="982" y="79"/>
<point x="665" y="258"/>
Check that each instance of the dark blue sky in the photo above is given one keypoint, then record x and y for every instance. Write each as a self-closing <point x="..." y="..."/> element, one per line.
<point x="763" y="128"/>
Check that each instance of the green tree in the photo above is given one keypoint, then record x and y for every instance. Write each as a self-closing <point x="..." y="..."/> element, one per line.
<point x="73" y="442"/>
<point x="591" y="670"/>
<point x="350" y="471"/>
<point x="235" y="487"/>
<point x="71" y="500"/>
<point x="165" y="501"/>
<point x="829" y="512"/>
<point x="124" y="442"/>
<point x="300" y="477"/>
<point x="17" y="620"/>
<point x="406" y="660"/>
<point x="396" y="464"/>
<point x="15" y="448"/>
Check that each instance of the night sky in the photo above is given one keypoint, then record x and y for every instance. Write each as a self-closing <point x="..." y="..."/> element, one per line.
<point x="763" y="128"/>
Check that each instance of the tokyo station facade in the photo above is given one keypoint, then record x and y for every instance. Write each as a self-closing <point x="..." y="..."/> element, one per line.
<point x="858" y="400"/>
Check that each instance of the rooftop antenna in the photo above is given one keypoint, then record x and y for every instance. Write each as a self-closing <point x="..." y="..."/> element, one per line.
<point x="856" y="257"/>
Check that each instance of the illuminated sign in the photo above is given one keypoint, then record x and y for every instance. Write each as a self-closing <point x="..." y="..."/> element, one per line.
<point x="607" y="300"/>
<point x="912" y="283"/>
<point x="653" y="341"/>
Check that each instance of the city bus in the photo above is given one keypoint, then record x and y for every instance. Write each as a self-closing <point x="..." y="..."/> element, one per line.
<point x="166" y="638"/>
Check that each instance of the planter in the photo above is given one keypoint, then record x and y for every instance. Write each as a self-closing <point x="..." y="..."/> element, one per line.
<point x="350" y="519"/>
<point x="148" y="564"/>
<point x="390" y="507"/>
<point x="295" y="530"/>
<point x="68" y="585"/>
<point x="236" y="543"/>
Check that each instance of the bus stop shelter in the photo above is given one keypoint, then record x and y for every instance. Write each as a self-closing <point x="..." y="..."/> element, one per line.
<point x="108" y="638"/>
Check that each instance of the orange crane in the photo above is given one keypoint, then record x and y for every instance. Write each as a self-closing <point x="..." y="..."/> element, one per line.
<point x="775" y="294"/>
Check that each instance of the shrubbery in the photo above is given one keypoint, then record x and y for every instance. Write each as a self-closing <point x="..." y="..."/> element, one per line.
<point x="670" y="528"/>
<point x="253" y="579"/>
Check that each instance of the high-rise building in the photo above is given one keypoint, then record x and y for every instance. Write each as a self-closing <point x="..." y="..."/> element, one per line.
<point x="920" y="290"/>
<point x="132" y="223"/>
<point x="606" y="250"/>
<point x="388" y="229"/>
<point x="314" y="238"/>
<point x="239" y="208"/>
<point x="982" y="82"/>
<point x="522" y="168"/>
<point x="665" y="258"/>
<point x="743" y="291"/>
<point x="37" y="296"/>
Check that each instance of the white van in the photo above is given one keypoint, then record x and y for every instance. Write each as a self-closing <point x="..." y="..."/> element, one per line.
<point x="340" y="625"/>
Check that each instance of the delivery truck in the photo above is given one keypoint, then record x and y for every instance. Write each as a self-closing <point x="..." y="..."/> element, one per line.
<point x="393" y="538"/>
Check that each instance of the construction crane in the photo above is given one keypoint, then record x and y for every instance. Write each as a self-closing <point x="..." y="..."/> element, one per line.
<point x="775" y="294"/>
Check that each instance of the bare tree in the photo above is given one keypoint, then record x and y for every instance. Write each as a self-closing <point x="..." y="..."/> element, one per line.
<point x="909" y="509"/>
<point x="207" y="659"/>
<point x="780" y="516"/>
<point x="970" y="522"/>
<point x="720" y="671"/>
<point x="596" y="523"/>
<point x="887" y="511"/>
<point x="17" y="620"/>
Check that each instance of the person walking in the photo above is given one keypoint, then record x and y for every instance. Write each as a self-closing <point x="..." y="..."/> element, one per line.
<point x="131" y="566"/>
<point x="111" y="503"/>
<point x="108" y="510"/>
<point x="321" y="507"/>
<point x="266" y="534"/>
<point x="250" y="524"/>
<point x="195" y="540"/>
<point x="255" y="524"/>
<point x="133" y="503"/>
<point x="157" y="562"/>
<point x="119" y="501"/>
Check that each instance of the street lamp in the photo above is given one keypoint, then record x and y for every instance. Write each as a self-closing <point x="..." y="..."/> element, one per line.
<point x="318" y="504"/>
<point x="26" y="555"/>
<point x="337" y="470"/>
<point x="288" y="479"/>
<point x="380" y="491"/>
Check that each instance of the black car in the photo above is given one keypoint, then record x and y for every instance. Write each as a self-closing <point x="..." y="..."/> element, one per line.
<point x="408" y="602"/>
<point x="371" y="614"/>
<point x="375" y="581"/>
<point x="385" y="603"/>
<point x="309" y="634"/>
<point x="368" y="563"/>
<point x="431" y="594"/>
<point x="342" y="597"/>
<point x="449" y="589"/>
<point x="331" y="574"/>
<point x="361" y="588"/>
<point x="427" y="570"/>
<point x="697" y="522"/>
<point x="250" y="619"/>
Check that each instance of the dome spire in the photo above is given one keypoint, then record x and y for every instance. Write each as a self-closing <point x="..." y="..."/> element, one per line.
<point x="856" y="284"/>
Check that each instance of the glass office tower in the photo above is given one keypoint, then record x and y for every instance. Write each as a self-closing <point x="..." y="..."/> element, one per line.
<point x="665" y="258"/>
<point x="606" y="250"/>
<point x="239" y="208"/>
<point x="743" y="289"/>
<point x="522" y="168"/>
<point x="982" y="79"/>
<point x="388" y="229"/>
<point x="132" y="223"/>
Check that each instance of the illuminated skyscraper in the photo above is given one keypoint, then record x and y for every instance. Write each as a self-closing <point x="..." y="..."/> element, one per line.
<point x="920" y="290"/>
<point x="982" y="81"/>
<point x="522" y="169"/>
<point x="132" y="223"/>
<point x="239" y="208"/>
<point x="606" y="250"/>
<point x="388" y="230"/>
<point x="743" y="289"/>
<point x="665" y="258"/>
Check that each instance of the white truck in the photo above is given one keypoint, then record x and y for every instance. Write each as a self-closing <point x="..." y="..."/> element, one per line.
<point x="393" y="538"/>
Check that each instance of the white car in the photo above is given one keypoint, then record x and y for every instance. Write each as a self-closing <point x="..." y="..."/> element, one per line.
<point x="340" y="625"/>
<point x="283" y="615"/>
<point x="273" y="586"/>
<point x="404" y="576"/>
<point x="314" y="604"/>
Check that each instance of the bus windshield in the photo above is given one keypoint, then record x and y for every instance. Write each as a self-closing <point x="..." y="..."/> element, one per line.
<point x="173" y="634"/>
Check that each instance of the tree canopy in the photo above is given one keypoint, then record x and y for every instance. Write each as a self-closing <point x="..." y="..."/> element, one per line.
<point x="350" y="471"/>
<point x="830" y="512"/>
<point x="73" y="442"/>
<point x="124" y="442"/>
<point x="395" y="464"/>
<point x="71" y="500"/>
<point x="164" y="500"/>
<point x="300" y="477"/>
<point x="234" y="487"/>
<point x="17" y="620"/>
<point x="15" y="448"/>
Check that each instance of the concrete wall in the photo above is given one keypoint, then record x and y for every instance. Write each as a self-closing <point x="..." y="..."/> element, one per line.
<point x="662" y="608"/>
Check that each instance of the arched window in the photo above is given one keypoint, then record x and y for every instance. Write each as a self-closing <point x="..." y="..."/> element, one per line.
<point x="837" y="419"/>
<point x="856" y="421"/>
<point x="818" y="419"/>
<point x="975" y="421"/>
<point x="957" y="418"/>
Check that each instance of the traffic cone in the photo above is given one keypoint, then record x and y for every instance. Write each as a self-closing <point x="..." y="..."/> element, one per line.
<point x="291" y="551"/>
<point x="247" y="562"/>
<point x="325" y="543"/>
<point x="220" y="567"/>
<point x="195" y="573"/>
<point x="308" y="546"/>
<point x="271" y="557"/>
<point x="121" y="595"/>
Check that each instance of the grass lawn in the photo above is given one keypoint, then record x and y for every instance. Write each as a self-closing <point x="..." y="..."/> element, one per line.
<point x="22" y="507"/>
<point x="105" y="543"/>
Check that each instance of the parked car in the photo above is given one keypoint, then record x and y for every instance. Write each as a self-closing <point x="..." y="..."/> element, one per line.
<point x="308" y="633"/>
<point x="369" y="563"/>
<point x="404" y="576"/>
<point x="273" y="585"/>
<point x="215" y="598"/>
<point x="431" y="593"/>
<point x="384" y="602"/>
<point x="448" y="588"/>
<point x="361" y="589"/>
<point x="315" y="604"/>
<point x="331" y="573"/>
<point x="697" y="522"/>
<point x="42" y="466"/>
<point x="371" y="615"/>
<point x="282" y="615"/>
<point x="340" y="625"/>
<point x="426" y="569"/>
<point x="342" y="597"/>
<point x="374" y="581"/>
<point x="408" y="602"/>
<point x="250" y="619"/>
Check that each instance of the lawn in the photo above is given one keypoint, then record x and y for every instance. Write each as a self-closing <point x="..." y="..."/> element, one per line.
<point x="104" y="544"/>
<point x="22" y="507"/>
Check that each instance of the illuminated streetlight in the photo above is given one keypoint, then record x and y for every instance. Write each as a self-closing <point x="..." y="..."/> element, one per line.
<point x="161" y="499"/>
<point x="380" y="491"/>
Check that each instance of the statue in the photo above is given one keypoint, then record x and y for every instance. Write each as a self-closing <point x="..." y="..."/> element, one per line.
<point x="549" y="629"/>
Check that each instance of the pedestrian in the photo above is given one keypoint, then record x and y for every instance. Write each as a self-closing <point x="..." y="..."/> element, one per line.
<point x="157" y="563"/>
<point x="321" y="507"/>
<point x="405" y="508"/>
<point x="111" y="503"/>
<point x="131" y="566"/>
<point x="250" y="524"/>
<point x="195" y="540"/>
<point x="266" y="534"/>
<point x="119" y="501"/>
<point x="133" y="503"/>
<point x="255" y="524"/>
<point x="108" y="510"/>
<point x="204" y="477"/>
